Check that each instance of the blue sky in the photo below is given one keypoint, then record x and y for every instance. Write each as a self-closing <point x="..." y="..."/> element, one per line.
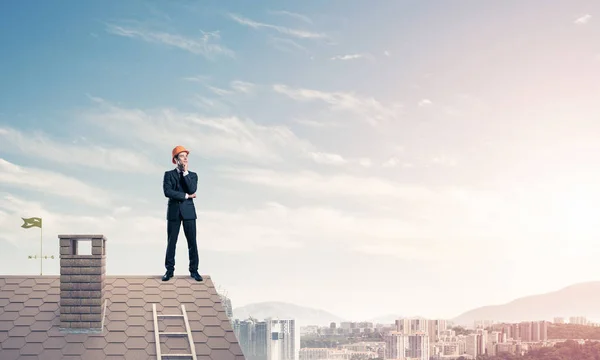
<point x="348" y="153"/>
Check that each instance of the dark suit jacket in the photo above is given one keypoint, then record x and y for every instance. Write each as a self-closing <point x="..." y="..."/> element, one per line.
<point x="175" y="191"/>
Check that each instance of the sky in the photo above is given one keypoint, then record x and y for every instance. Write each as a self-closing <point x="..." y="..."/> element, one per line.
<point x="364" y="158"/>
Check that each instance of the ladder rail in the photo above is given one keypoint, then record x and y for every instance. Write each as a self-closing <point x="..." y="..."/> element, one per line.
<point x="189" y="332"/>
<point x="156" y="333"/>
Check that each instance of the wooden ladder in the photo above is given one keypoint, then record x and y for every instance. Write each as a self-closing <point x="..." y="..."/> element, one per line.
<point x="187" y="333"/>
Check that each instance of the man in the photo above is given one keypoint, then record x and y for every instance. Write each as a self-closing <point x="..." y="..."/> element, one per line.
<point x="179" y="185"/>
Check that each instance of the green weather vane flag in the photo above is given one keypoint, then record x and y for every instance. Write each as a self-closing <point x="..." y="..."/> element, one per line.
<point x="36" y="222"/>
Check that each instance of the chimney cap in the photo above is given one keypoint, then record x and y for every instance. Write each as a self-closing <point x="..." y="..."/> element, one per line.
<point x="82" y="236"/>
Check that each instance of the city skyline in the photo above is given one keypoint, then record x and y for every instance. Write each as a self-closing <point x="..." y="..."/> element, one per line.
<point x="358" y="159"/>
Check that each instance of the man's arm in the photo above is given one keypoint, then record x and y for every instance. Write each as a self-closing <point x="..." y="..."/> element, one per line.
<point x="191" y="181"/>
<point x="168" y="189"/>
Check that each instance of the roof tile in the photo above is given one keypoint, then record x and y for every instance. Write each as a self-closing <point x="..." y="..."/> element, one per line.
<point x="116" y="337"/>
<point x="13" y="343"/>
<point x="12" y="354"/>
<point x="51" y="354"/>
<point x="14" y="306"/>
<point x="74" y="348"/>
<point x="95" y="342"/>
<point x="214" y="331"/>
<point x="17" y="331"/>
<point x="136" y="331"/>
<point x="218" y="343"/>
<point x="94" y="354"/>
<point x="222" y="354"/>
<point x="236" y="349"/>
<point x="203" y="349"/>
<point x="136" y="354"/>
<point x="55" y="343"/>
<point x="114" y="349"/>
<point x="24" y="321"/>
<point x="9" y="316"/>
<point x="36" y="337"/>
<point x="136" y="343"/>
<point x="31" y="349"/>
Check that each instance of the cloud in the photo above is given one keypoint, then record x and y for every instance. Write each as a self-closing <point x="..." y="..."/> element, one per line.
<point x="425" y="103"/>
<point x="328" y="158"/>
<point x="294" y="15"/>
<point x="351" y="57"/>
<point x="206" y="45"/>
<point x="49" y="182"/>
<point x="220" y="91"/>
<point x="89" y="155"/>
<point x="199" y="78"/>
<point x="315" y="123"/>
<point x="445" y="160"/>
<point x="228" y="138"/>
<point x="243" y="86"/>
<point x="387" y="53"/>
<point x="391" y="162"/>
<point x="337" y="160"/>
<point x="237" y="86"/>
<point x="309" y="183"/>
<point x="286" y="45"/>
<point x="302" y="34"/>
<point x="367" y="108"/>
<point x="583" y="19"/>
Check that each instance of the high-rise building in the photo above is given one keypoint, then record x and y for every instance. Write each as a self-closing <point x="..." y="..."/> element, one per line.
<point x="578" y="320"/>
<point x="412" y="326"/>
<point x="226" y="302"/>
<point x="471" y="345"/>
<point x="526" y="329"/>
<point x="543" y="331"/>
<point x="435" y="328"/>
<point x="246" y="334"/>
<point x="284" y="340"/>
<point x="401" y="346"/>
<point x="261" y="343"/>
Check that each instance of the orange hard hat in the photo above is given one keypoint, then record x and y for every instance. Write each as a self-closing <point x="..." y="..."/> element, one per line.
<point x="176" y="150"/>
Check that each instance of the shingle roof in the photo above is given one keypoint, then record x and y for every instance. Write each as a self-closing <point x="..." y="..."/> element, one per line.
<point x="30" y="319"/>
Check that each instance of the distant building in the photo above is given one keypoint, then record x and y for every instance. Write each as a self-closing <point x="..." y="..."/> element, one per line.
<point x="404" y="346"/>
<point x="272" y="339"/>
<point x="226" y="302"/>
<point x="578" y="320"/>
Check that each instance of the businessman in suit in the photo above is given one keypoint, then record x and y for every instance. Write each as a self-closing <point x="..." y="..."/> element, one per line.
<point x="179" y="185"/>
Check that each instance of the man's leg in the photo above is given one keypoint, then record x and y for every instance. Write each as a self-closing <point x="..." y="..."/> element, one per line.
<point x="189" y="228"/>
<point x="172" y="235"/>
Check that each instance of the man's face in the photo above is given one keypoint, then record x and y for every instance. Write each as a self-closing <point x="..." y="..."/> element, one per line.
<point x="183" y="158"/>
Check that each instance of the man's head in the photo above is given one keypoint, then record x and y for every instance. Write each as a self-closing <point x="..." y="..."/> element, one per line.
<point x="179" y="153"/>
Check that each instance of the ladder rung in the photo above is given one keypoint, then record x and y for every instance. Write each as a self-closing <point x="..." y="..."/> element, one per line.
<point x="177" y="355"/>
<point x="170" y="315"/>
<point x="172" y="333"/>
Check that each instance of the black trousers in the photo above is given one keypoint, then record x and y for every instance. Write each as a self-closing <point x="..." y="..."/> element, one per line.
<point x="189" y="229"/>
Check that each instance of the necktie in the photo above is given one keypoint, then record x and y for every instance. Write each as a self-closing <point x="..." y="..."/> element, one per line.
<point x="182" y="182"/>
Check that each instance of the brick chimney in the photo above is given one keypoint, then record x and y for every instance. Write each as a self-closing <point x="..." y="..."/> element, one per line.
<point x="82" y="279"/>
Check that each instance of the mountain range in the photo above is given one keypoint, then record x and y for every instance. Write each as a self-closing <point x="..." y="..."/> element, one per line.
<point x="575" y="300"/>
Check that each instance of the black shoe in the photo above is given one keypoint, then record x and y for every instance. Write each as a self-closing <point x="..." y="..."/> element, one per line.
<point x="196" y="276"/>
<point x="167" y="276"/>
